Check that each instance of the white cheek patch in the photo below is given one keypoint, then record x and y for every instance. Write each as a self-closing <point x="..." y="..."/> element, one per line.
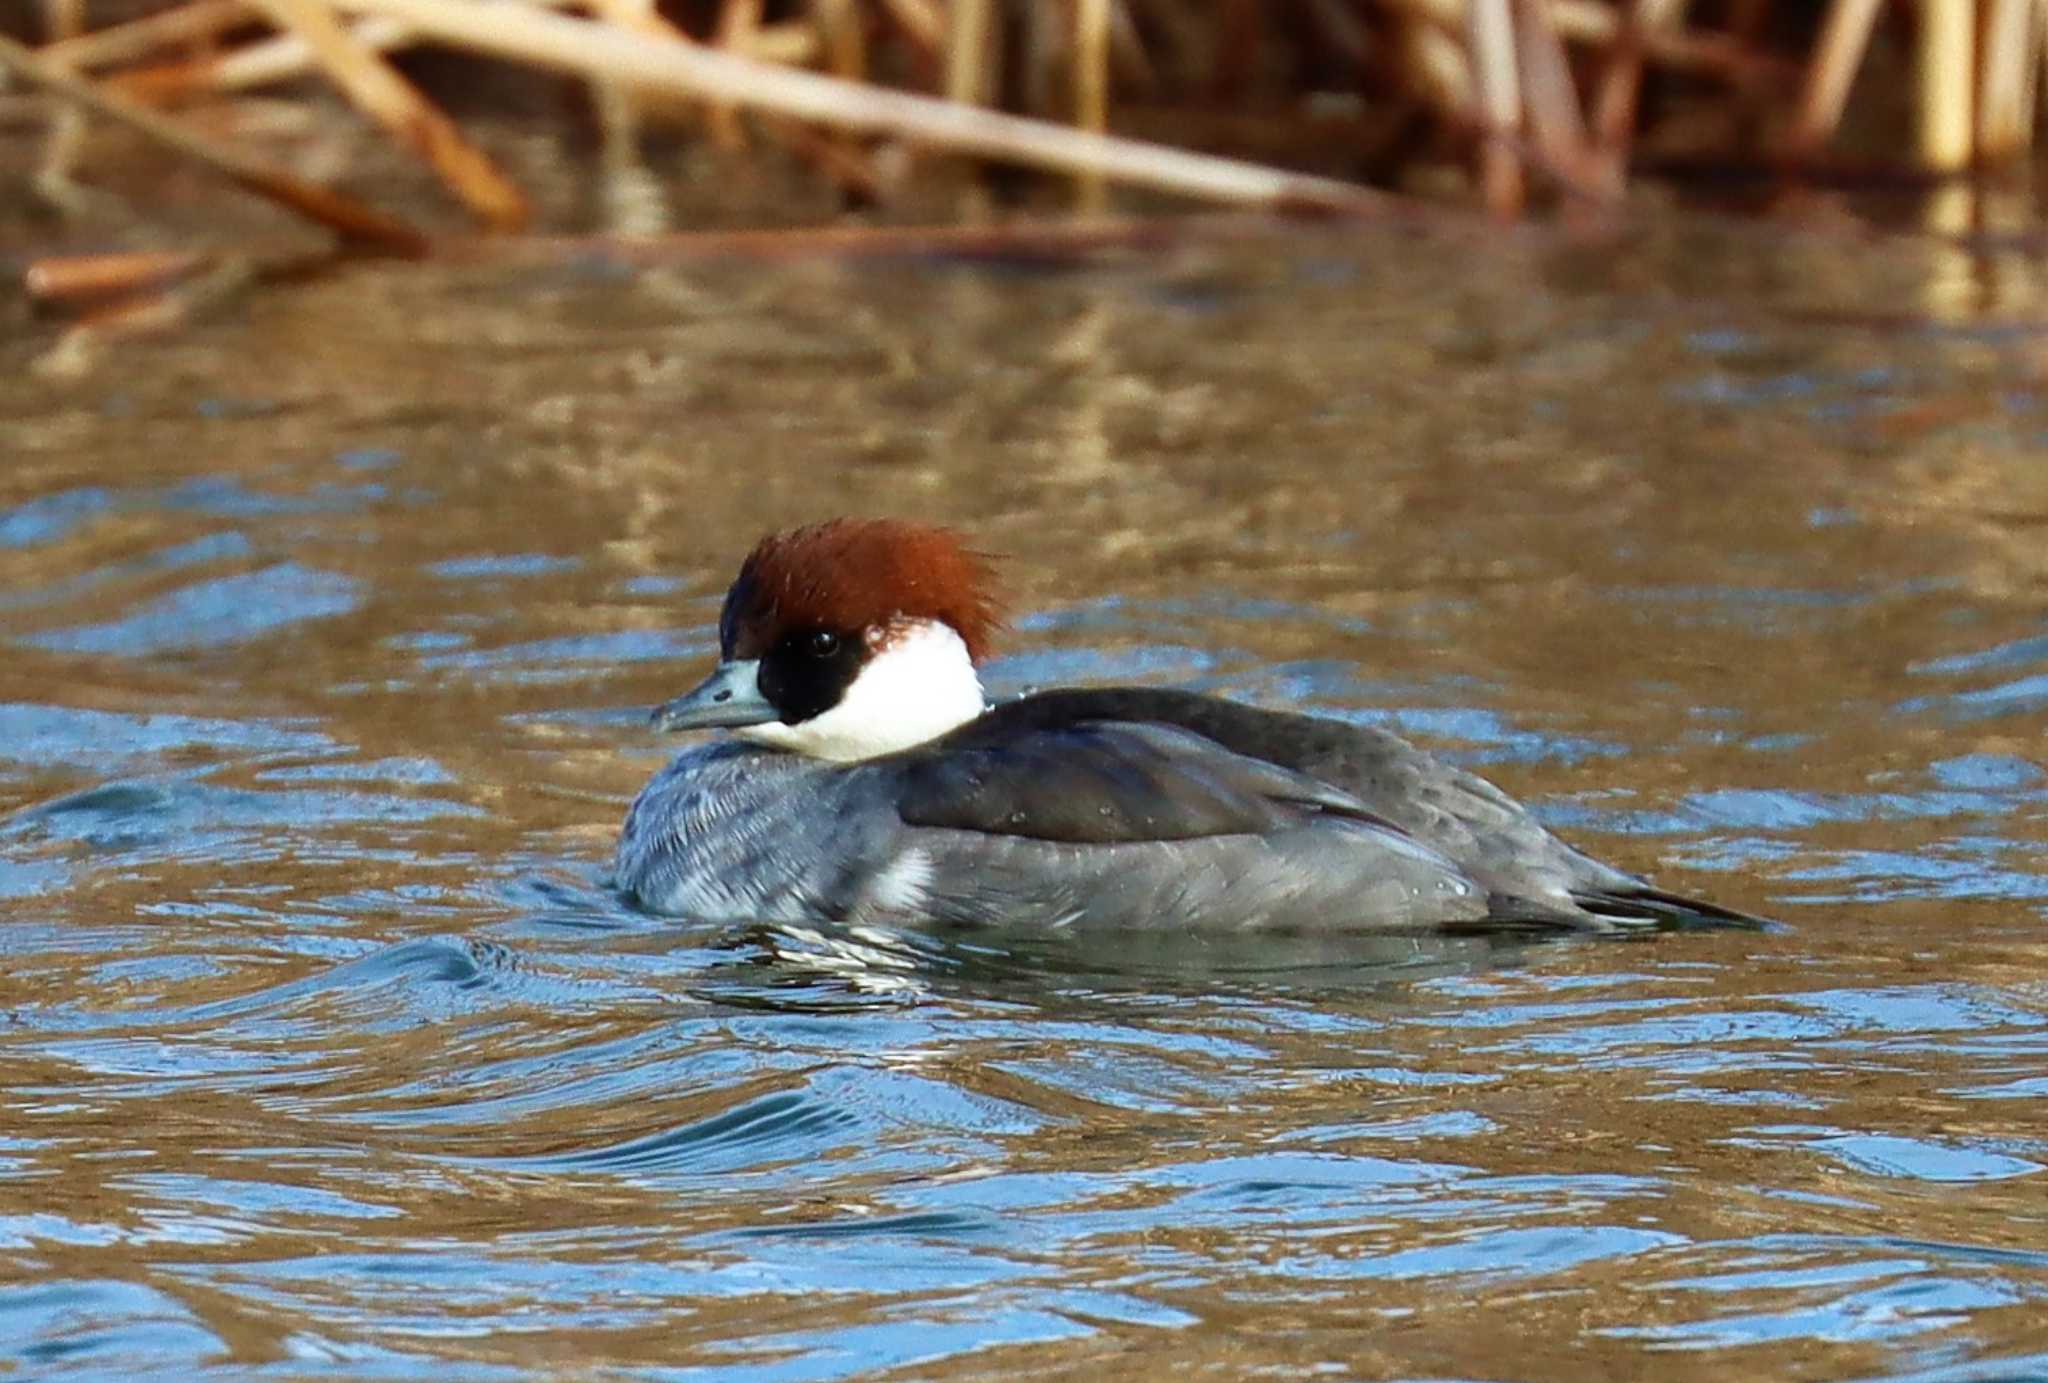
<point x="918" y="685"/>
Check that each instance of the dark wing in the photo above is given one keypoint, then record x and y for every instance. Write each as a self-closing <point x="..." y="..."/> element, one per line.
<point x="1105" y="782"/>
<point x="1464" y="816"/>
<point x="1489" y="835"/>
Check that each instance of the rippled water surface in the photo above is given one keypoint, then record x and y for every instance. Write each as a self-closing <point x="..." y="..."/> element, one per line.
<point x="329" y="632"/>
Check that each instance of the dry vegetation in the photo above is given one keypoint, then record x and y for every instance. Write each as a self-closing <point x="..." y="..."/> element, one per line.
<point x="1328" y="105"/>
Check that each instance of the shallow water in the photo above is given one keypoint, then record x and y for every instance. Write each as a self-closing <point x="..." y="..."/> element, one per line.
<point x="330" y="632"/>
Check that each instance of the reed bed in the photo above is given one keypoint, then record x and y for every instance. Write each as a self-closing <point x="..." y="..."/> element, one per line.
<point x="1337" y="107"/>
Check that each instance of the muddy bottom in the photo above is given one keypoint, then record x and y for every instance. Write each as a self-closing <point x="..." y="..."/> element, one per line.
<point x="330" y="630"/>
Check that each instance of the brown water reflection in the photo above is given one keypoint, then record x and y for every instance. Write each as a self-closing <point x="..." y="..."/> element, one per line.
<point x="329" y="632"/>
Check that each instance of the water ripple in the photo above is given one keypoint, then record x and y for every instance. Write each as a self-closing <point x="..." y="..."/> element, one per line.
<point x="330" y="1053"/>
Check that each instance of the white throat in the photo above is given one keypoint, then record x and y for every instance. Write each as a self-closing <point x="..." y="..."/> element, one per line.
<point x="919" y="683"/>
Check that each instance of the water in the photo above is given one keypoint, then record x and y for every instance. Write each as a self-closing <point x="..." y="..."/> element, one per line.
<point x="330" y="631"/>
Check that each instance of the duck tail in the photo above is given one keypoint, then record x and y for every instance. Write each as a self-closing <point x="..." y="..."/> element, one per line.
<point x="1645" y="906"/>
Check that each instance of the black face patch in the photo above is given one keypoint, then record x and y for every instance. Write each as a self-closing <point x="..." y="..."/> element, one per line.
<point x="807" y="671"/>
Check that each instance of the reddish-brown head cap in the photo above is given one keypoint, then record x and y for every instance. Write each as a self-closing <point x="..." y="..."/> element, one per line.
<point x="850" y="576"/>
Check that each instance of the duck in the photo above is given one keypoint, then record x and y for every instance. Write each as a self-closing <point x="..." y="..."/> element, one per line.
<point x="865" y="777"/>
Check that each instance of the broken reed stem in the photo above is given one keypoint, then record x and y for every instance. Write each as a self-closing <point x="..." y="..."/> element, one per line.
<point x="1091" y="90"/>
<point x="1838" y="53"/>
<point x="967" y="38"/>
<point x="278" y="58"/>
<point x="2030" y="72"/>
<point x="139" y="38"/>
<point x="282" y="57"/>
<point x="922" y="24"/>
<point x="2038" y="78"/>
<point x="353" y="221"/>
<point x="839" y="30"/>
<point x="79" y="348"/>
<point x="1979" y="69"/>
<point x="837" y="24"/>
<point x="1947" y="70"/>
<point x="2004" y="121"/>
<point x="592" y="50"/>
<point x="64" y="19"/>
<point x="630" y="193"/>
<point x="377" y="90"/>
<point x="1619" y="89"/>
<point x="1551" y="102"/>
<point x="85" y="278"/>
<point x="1498" y="87"/>
<point x="738" y="20"/>
<point x="1585" y="21"/>
<point x="1133" y="66"/>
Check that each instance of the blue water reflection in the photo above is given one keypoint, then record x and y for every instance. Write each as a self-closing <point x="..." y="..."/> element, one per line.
<point x="208" y="614"/>
<point x="331" y="1051"/>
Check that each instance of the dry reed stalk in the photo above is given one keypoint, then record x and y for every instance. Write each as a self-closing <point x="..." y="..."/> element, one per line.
<point x="1947" y="68"/>
<point x="79" y="348"/>
<point x="968" y="34"/>
<point x="1618" y="90"/>
<point x="840" y="33"/>
<point x="285" y="57"/>
<point x="840" y="161"/>
<point x="588" y="49"/>
<point x="1091" y="91"/>
<point x="837" y="161"/>
<point x="83" y="278"/>
<point x="1550" y="103"/>
<point x="63" y="19"/>
<point x="1491" y="42"/>
<point x="632" y="196"/>
<point x="1042" y="72"/>
<point x="2030" y="75"/>
<point x="842" y="36"/>
<point x="195" y="22"/>
<point x="738" y="20"/>
<point x="1127" y="55"/>
<point x="920" y="22"/>
<point x="1586" y="22"/>
<point x="790" y="42"/>
<point x="376" y="89"/>
<point x="1837" y="53"/>
<point x="279" y="58"/>
<point x="638" y="202"/>
<point x="2039" y="76"/>
<point x="1435" y="67"/>
<point x="66" y="136"/>
<point x="1619" y="98"/>
<point x="2004" y="117"/>
<point x="354" y="222"/>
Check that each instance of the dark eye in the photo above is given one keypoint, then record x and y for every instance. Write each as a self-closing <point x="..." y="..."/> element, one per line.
<point x="822" y="644"/>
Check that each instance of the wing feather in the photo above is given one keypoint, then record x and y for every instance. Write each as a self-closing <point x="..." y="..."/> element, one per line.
<point x="1109" y="782"/>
